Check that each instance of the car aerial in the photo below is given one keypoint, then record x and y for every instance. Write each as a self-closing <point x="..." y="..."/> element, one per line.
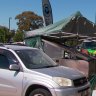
<point x="26" y="71"/>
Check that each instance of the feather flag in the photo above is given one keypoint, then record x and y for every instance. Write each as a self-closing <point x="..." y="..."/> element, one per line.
<point x="47" y="12"/>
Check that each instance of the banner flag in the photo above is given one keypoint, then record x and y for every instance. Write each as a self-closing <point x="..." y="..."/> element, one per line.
<point x="47" y="12"/>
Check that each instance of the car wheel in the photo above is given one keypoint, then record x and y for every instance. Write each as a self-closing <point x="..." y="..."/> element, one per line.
<point x="40" y="92"/>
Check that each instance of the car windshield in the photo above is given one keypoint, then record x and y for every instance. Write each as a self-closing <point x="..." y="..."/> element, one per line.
<point x="89" y="45"/>
<point x="35" y="59"/>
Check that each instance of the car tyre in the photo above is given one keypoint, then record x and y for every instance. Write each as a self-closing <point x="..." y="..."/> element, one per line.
<point x="40" y="92"/>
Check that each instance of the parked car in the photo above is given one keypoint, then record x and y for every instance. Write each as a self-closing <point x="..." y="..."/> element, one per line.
<point x="26" y="71"/>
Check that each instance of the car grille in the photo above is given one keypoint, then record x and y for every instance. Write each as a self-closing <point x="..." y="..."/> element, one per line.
<point x="80" y="82"/>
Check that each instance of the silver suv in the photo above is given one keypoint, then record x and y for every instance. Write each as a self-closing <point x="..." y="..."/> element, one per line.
<point x="26" y="71"/>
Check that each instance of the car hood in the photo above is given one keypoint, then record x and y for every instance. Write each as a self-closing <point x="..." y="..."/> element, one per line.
<point x="60" y="71"/>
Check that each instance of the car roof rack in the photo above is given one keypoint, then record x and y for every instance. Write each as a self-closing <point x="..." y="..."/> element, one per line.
<point x="3" y="44"/>
<point x="15" y="44"/>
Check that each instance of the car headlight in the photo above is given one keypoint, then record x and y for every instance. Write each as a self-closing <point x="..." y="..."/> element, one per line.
<point x="63" y="81"/>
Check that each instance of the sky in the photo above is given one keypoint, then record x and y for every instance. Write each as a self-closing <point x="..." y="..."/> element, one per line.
<point x="61" y="9"/>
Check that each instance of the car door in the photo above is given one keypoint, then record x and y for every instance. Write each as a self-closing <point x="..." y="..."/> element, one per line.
<point x="10" y="81"/>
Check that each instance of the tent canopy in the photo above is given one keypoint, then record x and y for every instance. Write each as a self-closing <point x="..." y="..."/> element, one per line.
<point x="75" y="24"/>
<point x="74" y="27"/>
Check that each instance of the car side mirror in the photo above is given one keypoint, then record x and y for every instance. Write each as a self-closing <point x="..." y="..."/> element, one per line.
<point x="14" y="67"/>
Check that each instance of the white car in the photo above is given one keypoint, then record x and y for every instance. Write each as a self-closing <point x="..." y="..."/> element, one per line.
<point x="26" y="71"/>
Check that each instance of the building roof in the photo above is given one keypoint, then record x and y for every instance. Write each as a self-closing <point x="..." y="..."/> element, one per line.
<point x="76" y="24"/>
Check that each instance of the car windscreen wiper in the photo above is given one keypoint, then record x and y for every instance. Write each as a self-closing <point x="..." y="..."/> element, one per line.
<point x="50" y="66"/>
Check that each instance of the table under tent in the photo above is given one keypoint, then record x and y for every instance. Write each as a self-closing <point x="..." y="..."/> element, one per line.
<point x="61" y="37"/>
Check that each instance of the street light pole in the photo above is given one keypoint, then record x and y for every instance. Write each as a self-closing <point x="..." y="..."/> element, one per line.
<point x="9" y="27"/>
<point x="9" y="22"/>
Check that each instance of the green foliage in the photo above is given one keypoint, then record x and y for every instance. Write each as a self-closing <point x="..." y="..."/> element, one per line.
<point x="72" y="43"/>
<point x="18" y="36"/>
<point x="5" y="35"/>
<point x="28" y="21"/>
<point x="1" y="35"/>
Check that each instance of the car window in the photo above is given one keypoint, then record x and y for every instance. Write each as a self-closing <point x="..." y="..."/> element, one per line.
<point x="7" y="58"/>
<point x="11" y="57"/>
<point x="35" y="59"/>
<point x="4" y="63"/>
<point x="89" y="45"/>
